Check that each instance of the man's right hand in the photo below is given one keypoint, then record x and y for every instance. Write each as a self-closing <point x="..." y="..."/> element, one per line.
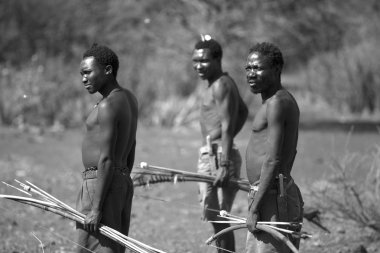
<point x="222" y="177"/>
<point x="92" y="220"/>
<point x="251" y="222"/>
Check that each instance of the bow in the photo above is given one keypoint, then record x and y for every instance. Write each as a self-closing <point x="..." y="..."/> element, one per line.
<point x="146" y="174"/>
<point x="264" y="228"/>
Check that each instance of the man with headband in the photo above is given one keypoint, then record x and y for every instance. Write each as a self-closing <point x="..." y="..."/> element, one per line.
<point x="108" y="152"/>
<point x="223" y="114"/>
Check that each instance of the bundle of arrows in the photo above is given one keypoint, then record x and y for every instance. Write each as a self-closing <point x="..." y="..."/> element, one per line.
<point x="49" y="203"/>
<point x="271" y="227"/>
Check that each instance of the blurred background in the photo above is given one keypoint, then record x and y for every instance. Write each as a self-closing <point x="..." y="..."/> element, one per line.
<point x="330" y="50"/>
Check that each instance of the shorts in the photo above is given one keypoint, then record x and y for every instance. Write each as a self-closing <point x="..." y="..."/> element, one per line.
<point x="214" y="199"/>
<point x="116" y="213"/>
<point x="262" y="242"/>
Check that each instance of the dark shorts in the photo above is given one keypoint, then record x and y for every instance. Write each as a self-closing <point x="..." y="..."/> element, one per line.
<point x="262" y="242"/>
<point x="212" y="198"/>
<point x="116" y="213"/>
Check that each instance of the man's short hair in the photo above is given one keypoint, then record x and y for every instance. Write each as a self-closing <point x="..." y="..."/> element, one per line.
<point x="211" y="44"/>
<point x="103" y="55"/>
<point x="269" y="50"/>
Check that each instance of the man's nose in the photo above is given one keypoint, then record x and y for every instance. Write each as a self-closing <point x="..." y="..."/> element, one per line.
<point x="84" y="79"/>
<point x="197" y="65"/>
<point x="251" y="73"/>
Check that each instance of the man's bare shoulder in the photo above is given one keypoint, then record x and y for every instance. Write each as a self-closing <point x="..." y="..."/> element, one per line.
<point x="110" y="105"/>
<point x="280" y="97"/>
<point x="225" y="81"/>
<point x="111" y="102"/>
<point x="132" y="98"/>
<point x="117" y="99"/>
<point x="223" y="85"/>
<point x="282" y="101"/>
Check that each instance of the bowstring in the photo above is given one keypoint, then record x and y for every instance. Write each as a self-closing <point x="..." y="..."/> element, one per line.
<point x="213" y="246"/>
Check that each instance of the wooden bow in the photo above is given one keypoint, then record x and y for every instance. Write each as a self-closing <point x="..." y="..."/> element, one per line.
<point x="261" y="227"/>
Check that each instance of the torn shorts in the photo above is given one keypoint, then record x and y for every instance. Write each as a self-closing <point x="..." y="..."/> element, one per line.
<point x="262" y="242"/>
<point x="116" y="212"/>
<point x="214" y="199"/>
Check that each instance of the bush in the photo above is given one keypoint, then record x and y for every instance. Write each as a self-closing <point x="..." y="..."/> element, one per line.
<point x="47" y="92"/>
<point x="348" y="78"/>
<point x="175" y="112"/>
<point x="353" y="190"/>
<point x="42" y="94"/>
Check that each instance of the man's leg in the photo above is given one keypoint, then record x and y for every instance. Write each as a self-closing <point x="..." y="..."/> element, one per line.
<point x="208" y="198"/>
<point x="226" y="241"/>
<point x="126" y="215"/>
<point x="114" y="211"/>
<point x="262" y="242"/>
<point x="85" y="241"/>
<point x="208" y="195"/>
<point x="295" y="209"/>
<point x="227" y="196"/>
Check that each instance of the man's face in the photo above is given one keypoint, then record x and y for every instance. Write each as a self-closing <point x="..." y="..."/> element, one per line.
<point x="93" y="75"/>
<point x="260" y="73"/>
<point x="203" y="63"/>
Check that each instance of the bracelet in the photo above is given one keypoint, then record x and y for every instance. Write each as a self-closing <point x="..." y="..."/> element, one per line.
<point x="225" y="163"/>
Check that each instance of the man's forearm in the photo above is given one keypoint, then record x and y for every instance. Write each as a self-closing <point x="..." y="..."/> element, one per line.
<point x="227" y="142"/>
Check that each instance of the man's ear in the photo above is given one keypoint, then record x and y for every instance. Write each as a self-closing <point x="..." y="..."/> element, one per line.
<point x="108" y="69"/>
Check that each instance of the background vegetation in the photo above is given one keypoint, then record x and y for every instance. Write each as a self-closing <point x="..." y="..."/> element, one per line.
<point x="329" y="47"/>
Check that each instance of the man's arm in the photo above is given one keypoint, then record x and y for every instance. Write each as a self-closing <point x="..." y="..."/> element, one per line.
<point x="243" y="115"/>
<point x="228" y="110"/>
<point x="276" y="118"/>
<point x="131" y="156"/>
<point x="134" y="116"/>
<point x="107" y="139"/>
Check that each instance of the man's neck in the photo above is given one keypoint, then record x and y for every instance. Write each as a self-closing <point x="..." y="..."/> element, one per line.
<point x="215" y="77"/>
<point x="108" y="88"/>
<point x="270" y="92"/>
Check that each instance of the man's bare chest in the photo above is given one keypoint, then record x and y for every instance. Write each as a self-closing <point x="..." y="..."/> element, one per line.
<point x="92" y="119"/>
<point x="207" y="98"/>
<point x="260" y="121"/>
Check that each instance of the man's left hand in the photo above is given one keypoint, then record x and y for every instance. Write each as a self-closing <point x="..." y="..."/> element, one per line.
<point x="222" y="178"/>
<point x="92" y="220"/>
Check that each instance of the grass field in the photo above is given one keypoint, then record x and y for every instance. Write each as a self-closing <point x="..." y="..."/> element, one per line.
<point x="165" y="216"/>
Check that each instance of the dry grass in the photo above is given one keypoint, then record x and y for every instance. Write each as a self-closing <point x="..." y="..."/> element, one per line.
<point x="349" y="199"/>
<point x="352" y="191"/>
<point x="165" y="216"/>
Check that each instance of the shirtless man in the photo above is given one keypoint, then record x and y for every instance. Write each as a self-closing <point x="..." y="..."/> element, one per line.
<point x="223" y="114"/>
<point x="108" y="152"/>
<point x="271" y="151"/>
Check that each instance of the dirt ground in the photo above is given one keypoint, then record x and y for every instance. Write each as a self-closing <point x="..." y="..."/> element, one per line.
<point x="166" y="216"/>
